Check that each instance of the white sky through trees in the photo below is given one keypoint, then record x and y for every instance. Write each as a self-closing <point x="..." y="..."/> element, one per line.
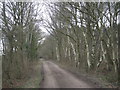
<point x="43" y="13"/>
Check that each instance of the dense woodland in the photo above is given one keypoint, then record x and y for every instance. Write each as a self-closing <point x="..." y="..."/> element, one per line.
<point x="84" y="35"/>
<point x="20" y="38"/>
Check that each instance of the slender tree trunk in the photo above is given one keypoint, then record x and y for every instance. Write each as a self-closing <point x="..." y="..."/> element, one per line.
<point x="87" y="50"/>
<point x="57" y="53"/>
<point x="118" y="65"/>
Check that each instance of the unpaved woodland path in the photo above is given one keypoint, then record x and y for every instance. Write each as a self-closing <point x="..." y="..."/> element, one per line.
<point x="56" y="77"/>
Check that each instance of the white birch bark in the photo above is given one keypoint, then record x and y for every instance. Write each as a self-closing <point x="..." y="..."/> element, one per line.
<point x="87" y="50"/>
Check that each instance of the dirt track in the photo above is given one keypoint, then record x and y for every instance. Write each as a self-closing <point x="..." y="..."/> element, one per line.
<point x="56" y="77"/>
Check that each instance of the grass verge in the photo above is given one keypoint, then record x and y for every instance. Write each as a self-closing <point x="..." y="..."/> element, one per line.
<point x="35" y="77"/>
<point x="0" y="72"/>
<point x="94" y="79"/>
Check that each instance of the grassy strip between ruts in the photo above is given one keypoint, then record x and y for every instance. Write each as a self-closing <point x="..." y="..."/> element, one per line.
<point x="35" y="78"/>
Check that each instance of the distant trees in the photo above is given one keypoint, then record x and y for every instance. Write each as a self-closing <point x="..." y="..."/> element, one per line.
<point x="20" y="38"/>
<point x="86" y="35"/>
